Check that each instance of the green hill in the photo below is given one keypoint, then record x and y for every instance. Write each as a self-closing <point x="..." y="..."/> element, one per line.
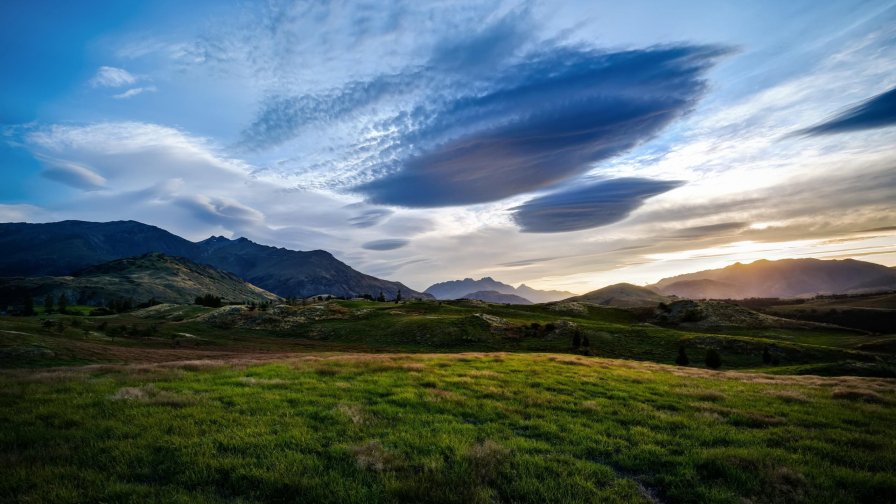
<point x="622" y="295"/>
<point x="151" y="276"/>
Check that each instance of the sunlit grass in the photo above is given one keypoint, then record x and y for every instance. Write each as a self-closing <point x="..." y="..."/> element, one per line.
<point x="461" y="428"/>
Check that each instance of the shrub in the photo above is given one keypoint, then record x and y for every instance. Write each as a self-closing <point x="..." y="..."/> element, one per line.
<point x="209" y="300"/>
<point x="766" y="356"/>
<point x="682" y="359"/>
<point x="713" y="359"/>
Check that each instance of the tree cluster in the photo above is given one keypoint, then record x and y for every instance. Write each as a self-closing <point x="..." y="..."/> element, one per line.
<point x="209" y="300"/>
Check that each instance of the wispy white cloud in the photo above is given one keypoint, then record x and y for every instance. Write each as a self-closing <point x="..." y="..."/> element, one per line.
<point x="130" y="93"/>
<point x="107" y="76"/>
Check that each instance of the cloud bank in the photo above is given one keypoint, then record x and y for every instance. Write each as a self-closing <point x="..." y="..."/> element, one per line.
<point x="876" y="112"/>
<point x="589" y="206"/>
<point x="546" y="120"/>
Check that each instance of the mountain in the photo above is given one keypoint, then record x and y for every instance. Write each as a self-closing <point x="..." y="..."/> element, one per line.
<point x="496" y="297"/>
<point x="456" y="289"/>
<point x="62" y="248"/>
<point x="623" y="295"/>
<point x="541" y="296"/>
<point x="151" y="276"/>
<point x="703" y="288"/>
<point x="786" y="278"/>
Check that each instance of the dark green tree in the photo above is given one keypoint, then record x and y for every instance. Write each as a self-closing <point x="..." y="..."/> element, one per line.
<point x="28" y="309"/>
<point x="585" y="342"/>
<point x="576" y="340"/>
<point x="398" y="297"/>
<point x="381" y="298"/>
<point x="48" y="304"/>
<point x="713" y="359"/>
<point x="766" y="356"/>
<point x="62" y="303"/>
<point x="682" y="359"/>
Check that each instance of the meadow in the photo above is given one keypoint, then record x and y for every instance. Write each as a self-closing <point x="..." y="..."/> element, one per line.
<point x="425" y="402"/>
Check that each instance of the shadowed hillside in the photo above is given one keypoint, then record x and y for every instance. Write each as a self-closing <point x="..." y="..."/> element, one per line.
<point x="62" y="248"/>
<point x="155" y="276"/>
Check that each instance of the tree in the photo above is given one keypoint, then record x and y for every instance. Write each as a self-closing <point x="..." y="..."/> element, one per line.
<point x="713" y="359"/>
<point x="381" y="298"/>
<point x="63" y="303"/>
<point x="576" y="340"/>
<point x="398" y="297"/>
<point x="585" y="342"/>
<point x="682" y="359"/>
<point x="28" y="309"/>
<point x="48" y="304"/>
<point x="766" y="356"/>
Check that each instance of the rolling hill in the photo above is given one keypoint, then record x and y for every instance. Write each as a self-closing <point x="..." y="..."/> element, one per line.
<point x="63" y="248"/>
<point x="786" y="278"/>
<point x="151" y="276"/>
<point x="623" y="295"/>
<point x="457" y="289"/>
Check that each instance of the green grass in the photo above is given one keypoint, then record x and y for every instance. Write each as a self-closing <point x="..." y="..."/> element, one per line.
<point x="419" y="327"/>
<point x="442" y="428"/>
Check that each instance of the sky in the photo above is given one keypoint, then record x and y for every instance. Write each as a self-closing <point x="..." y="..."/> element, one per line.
<point x="565" y="145"/>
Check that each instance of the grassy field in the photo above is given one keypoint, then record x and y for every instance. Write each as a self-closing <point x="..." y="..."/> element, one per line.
<point x="189" y="332"/>
<point x="442" y="428"/>
<point x="355" y="401"/>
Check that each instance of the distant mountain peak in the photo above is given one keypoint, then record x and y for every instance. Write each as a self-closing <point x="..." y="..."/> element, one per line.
<point x="61" y="248"/>
<point x="783" y="278"/>
<point x="457" y="289"/>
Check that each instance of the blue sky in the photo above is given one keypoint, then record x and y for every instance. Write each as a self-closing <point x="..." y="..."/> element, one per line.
<point x="561" y="144"/>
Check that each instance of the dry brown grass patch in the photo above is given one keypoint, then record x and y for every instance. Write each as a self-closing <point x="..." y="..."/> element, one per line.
<point x="486" y="458"/>
<point x="373" y="456"/>
<point x="852" y="394"/>
<point x="483" y="373"/>
<point x="354" y="412"/>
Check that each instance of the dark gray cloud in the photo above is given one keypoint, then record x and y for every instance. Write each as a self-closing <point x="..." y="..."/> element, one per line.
<point x="387" y="244"/>
<point x="877" y="112"/>
<point x="589" y="206"/>
<point x="370" y="217"/>
<point x="547" y="119"/>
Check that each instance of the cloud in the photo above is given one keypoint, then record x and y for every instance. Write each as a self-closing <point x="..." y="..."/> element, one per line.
<point x="130" y="93"/>
<point x="107" y="76"/>
<point x="876" y="112"/>
<point x="387" y="244"/>
<point x="368" y="218"/>
<point x="221" y="210"/>
<point x="721" y="229"/>
<point x="547" y="119"/>
<point x="589" y="206"/>
<point x="73" y="174"/>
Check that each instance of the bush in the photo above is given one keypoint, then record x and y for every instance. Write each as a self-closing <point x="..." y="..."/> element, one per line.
<point x="209" y="300"/>
<point x="682" y="359"/>
<point x="766" y="356"/>
<point x="713" y="359"/>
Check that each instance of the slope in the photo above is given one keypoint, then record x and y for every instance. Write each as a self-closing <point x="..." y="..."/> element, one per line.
<point x="151" y="276"/>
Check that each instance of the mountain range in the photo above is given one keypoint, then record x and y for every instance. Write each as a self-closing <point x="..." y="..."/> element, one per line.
<point x="457" y="289"/>
<point x="66" y="247"/>
<point x="785" y="278"/>
<point x="497" y="298"/>
<point x="155" y="276"/>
